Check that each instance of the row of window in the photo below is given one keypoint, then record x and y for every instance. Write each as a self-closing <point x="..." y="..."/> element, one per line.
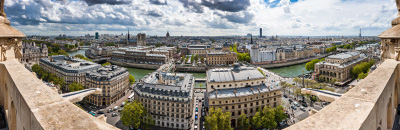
<point x="241" y="84"/>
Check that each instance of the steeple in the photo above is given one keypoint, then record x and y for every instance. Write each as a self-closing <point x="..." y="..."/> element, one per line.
<point x="360" y="33"/>
<point x="128" y="35"/>
<point x="251" y="36"/>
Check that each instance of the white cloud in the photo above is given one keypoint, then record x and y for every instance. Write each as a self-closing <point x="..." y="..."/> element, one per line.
<point x="155" y="17"/>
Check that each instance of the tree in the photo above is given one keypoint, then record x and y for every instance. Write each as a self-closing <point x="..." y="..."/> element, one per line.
<point x="106" y="64"/>
<point x="243" y="122"/>
<point x="264" y="118"/>
<point x="310" y="65"/>
<point x="62" y="52"/>
<point x="196" y="58"/>
<point x="279" y="114"/>
<point x="191" y="59"/>
<point x="362" y="75"/>
<point x="217" y="120"/>
<point x="131" y="79"/>
<point x="135" y="116"/>
<point x="202" y="59"/>
<point x="75" y="87"/>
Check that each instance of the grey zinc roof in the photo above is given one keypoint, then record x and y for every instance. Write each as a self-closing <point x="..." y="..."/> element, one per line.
<point x="344" y="55"/>
<point x="228" y="74"/>
<point x="245" y="91"/>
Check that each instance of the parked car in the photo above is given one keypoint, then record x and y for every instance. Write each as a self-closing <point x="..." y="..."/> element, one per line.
<point x="304" y="104"/>
<point x="100" y="112"/>
<point x="297" y="104"/>
<point x="302" y="108"/>
<point x="114" y="114"/>
<point x="109" y="110"/>
<point x="290" y="100"/>
<point x="116" y="108"/>
<point x="285" y="96"/>
<point x="294" y="107"/>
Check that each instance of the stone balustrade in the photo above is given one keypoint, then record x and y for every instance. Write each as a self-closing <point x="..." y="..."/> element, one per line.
<point x="371" y="105"/>
<point x="30" y="104"/>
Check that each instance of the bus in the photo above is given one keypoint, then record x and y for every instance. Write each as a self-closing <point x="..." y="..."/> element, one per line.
<point x="130" y="98"/>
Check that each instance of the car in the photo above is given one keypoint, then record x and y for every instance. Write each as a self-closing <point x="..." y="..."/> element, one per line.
<point x="116" y="108"/>
<point x="302" y="108"/>
<point x="290" y="100"/>
<point x="297" y="104"/>
<point x="114" y="114"/>
<point x="197" y="113"/>
<point x="109" y="110"/>
<point x="100" y="112"/>
<point x="195" y="126"/>
<point x="285" y="96"/>
<point x="197" y="109"/>
<point x="120" y="110"/>
<point x="195" y="117"/>
<point x="283" y="123"/>
<point x="304" y="104"/>
<point x="294" y="107"/>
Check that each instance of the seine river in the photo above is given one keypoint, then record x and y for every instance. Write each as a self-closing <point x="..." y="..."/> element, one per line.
<point x="290" y="71"/>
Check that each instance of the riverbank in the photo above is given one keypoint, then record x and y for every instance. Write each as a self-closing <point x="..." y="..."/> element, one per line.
<point x="135" y="65"/>
<point x="278" y="65"/>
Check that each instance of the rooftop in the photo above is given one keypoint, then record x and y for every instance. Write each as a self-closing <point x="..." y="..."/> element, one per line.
<point x="70" y="64"/>
<point x="233" y="74"/>
<point x="344" y="55"/>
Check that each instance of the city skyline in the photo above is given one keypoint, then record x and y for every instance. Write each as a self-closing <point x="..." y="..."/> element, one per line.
<point x="202" y="17"/>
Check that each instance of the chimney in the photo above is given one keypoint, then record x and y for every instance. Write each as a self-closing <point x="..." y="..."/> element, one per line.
<point x="51" y="58"/>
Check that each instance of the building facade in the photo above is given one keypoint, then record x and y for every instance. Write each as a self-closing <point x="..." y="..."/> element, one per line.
<point x="339" y="66"/>
<point x="113" y="80"/>
<point x="145" y="55"/>
<point x="68" y="68"/>
<point x="33" y="53"/>
<point x="240" y="90"/>
<point x="168" y="98"/>
<point x="141" y="39"/>
<point x="221" y="58"/>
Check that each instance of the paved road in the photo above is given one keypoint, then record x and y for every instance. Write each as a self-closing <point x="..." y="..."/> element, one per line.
<point x="113" y="120"/>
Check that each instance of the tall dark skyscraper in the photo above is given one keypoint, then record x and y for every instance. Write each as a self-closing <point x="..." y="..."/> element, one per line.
<point x="96" y="35"/>
<point x="128" y="35"/>
<point x="360" y="33"/>
<point x="260" y="32"/>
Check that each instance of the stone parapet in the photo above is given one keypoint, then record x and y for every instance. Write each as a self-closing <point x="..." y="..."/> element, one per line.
<point x="31" y="104"/>
<point x="369" y="105"/>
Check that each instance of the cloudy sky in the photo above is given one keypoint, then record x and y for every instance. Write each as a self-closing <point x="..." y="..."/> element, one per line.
<point x="202" y="17"/>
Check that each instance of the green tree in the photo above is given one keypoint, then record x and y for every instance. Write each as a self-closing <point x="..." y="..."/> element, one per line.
<point x="217" y="120"/>
<point x="196" y="58"/>
<point x="191" y="59"/>
<point x="362" y="75"/>
<point x="75" y="87"/>
<point x="264" y="118"/>
<point x="131" y="79"/>
<point x="106" y="64"/>
<point x="279" y="114"/>
<point x="62" y="52"/>
<point x="202" y="59"/>
<point x="134" y="115"/>
<point x="243" y="122"/>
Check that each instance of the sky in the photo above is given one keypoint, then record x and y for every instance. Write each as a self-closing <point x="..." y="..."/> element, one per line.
<point x="202" y="17"/>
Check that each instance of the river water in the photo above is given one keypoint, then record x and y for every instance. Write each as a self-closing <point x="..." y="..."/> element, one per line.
<point x="290" y="71"/>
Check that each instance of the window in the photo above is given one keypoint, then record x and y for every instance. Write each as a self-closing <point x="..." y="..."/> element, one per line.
<point x="226" y="108"/>
<point x="233" y="107"/>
